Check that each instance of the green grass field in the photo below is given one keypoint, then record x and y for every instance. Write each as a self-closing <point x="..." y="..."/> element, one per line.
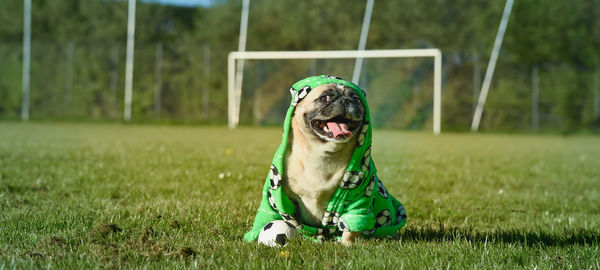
<point x="127" y="196"/>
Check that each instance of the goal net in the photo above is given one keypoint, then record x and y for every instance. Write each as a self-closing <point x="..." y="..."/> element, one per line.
<point x="390" y="78"/>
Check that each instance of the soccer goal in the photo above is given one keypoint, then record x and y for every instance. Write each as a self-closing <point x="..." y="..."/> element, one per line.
<point x="234" y="86"/>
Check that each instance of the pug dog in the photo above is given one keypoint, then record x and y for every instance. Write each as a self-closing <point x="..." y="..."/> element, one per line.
<point x="324" y="134"/>
<point x="322" y="180"/>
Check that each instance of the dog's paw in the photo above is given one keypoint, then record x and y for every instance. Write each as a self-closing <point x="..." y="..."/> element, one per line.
<point x="348" y="238"/>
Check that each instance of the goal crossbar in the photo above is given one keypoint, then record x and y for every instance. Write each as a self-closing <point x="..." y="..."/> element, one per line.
<point x="234" y="89"/>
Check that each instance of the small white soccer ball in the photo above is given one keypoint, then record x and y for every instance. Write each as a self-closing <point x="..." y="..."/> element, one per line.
<point x="277" y="233"/>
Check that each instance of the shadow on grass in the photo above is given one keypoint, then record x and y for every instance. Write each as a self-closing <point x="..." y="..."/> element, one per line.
<point x="568" y="237"/>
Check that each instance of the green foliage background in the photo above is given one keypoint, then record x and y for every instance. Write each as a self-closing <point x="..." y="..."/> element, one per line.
<point x="561" y="38"/>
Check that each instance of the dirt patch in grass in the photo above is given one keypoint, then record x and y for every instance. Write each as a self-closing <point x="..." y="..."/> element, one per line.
<point x="146" y="236"/>
<point x="175" y="224"/>
<point x="32" y="255"/>
<point x="106" y="229"/>
<point x="187" y="252"/>
<point x="53" y="241"/>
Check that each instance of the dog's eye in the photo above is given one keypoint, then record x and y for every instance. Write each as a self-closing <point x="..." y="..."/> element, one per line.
<point x="325" y="98"/>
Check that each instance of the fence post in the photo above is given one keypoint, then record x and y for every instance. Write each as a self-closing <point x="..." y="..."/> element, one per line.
<point x="69" y="73"/>
<point x="26" y="58"/>
<point x="114" y="78"/>
<point x="129" y="61"/>
<point x="596" y="106"/>
<point x="206" y="92"/>
<point x="476" y="79"/>
<point x="158" y="78"/>
<point x="535" y="98"/>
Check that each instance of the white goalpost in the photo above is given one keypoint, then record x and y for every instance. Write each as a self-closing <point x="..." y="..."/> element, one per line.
<point x="234" y="88"/>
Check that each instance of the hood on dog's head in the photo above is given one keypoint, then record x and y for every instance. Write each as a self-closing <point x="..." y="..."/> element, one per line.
<point x="333" y="109"/>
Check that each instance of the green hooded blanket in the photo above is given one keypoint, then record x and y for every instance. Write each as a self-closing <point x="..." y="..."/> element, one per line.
<point x="360" y="203"/>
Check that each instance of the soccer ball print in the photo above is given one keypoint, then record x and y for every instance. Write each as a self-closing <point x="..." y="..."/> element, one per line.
<point x="381" y="189"/>
<point x="300" y="95"/>
<point x="363" y="134"/>
<point x="383" y="218"/>
<point x="275" y="178"/>
<point x="351" y="180"/>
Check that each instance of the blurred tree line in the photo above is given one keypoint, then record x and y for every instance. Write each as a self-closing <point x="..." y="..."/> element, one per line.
<point x="78" y="52"/>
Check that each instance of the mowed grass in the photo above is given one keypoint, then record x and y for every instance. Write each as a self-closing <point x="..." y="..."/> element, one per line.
<point x="127" y="196"/>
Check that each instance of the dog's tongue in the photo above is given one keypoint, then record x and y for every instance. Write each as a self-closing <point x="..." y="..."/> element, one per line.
<point x="339" y="129"/>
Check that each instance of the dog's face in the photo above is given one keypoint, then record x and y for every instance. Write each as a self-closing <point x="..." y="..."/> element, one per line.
<point x="330" y="113"/>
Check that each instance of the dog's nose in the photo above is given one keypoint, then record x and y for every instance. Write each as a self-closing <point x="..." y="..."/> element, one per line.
<point x="344" y="101"/>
